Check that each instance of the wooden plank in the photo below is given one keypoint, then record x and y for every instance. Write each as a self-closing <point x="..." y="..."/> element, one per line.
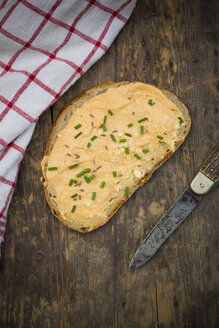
<point x="177" y="267"/>
<point x="51" y="276"/>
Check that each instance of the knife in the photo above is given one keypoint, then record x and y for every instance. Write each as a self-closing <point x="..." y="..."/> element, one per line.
<point x="207" y="176"/>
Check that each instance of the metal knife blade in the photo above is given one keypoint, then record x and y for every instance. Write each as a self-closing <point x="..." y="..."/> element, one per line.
<point x="179" y="211"/>
<point x="174" y="216"/>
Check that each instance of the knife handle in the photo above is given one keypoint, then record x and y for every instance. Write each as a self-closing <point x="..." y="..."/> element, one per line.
<point x="210" y="167"/>
<point x="208" y="174"/>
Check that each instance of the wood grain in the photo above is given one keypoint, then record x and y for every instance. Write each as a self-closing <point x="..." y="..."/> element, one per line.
<point x="51" y="276"/>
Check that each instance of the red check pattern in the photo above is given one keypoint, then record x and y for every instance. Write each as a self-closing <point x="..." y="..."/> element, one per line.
<point x="45" y="47"/>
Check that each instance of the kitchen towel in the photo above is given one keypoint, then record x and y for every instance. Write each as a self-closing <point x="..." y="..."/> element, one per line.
<point x="45" y="46"/>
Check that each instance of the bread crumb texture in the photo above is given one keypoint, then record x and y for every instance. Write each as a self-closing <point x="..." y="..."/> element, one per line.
<point x="110" y="144"/>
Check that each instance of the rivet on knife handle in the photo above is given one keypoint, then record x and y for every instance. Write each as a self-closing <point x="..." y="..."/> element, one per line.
<point x="201" y="184"/>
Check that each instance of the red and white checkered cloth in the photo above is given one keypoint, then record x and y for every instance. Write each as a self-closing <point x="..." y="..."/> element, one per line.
<point x="45" y="46"/>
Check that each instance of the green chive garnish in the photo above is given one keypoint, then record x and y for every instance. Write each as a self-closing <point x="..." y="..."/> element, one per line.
<point x="126" y="193"/>
<point x="159" y="137"/>
<point x="137" y="156"/>
<point x="82" y="173"/>
<point x="73" y="196"/>
<point x="126" y="150"/>
<point x="86" y="179"/>
<point x="145" y="150"/>
<point x="73" y="208"/>
<point x="91" y="177"/>
<point x="110" y="112"/>
<point x="77" y="126"/>
<point x="113" y="138"/>
<point x="93" y="195"/>
<point x="128" y="134"/>
<point x="114" y="174"/>
<point x="180" y="120"/>
<point x="71" y="182"/>
<point x="130" y="125"/>
<point x="143" y="119"/>
<point x="142" y="129"/>
<point x="103" y="127"/>
<point x="88" y="145"/>
<point x="102" y="184"/>
<point x="104" y="120"/>
<point x="93" y="138"/>
<point x="150" y="102"/>
<point x="122" y="140"/>
<point x="78" y="135"/>
<point x="72" y="166"/>
<point x="52" y="168"/>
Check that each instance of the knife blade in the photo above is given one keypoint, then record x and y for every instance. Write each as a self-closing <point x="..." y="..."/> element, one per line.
<point x="178" y="212"/>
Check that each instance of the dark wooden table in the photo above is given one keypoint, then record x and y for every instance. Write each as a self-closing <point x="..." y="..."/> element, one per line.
<point x="51" y="276"/>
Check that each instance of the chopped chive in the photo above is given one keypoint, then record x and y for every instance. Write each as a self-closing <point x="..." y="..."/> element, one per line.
<point x="86" y="179"/>
<point x="53" y="168"/>
<point x="126" y="193"/>
<point x="102" y="184"/>
<point x="128" y="134"/>
<point x="137" y="156"/>
<point x="91" y="177"/>
<point x="74" y="195"/>
<point x="113" y="138"/>
<point x="103" y="127"/>
<point x="82" y="173"/>
<point x="104" y="120"/>
<point x="145" y="150"/>
<point x="122" y="140"/>
<point x="159" y="137"/>
<point x="73" y="166"/>
<point x="126" y="150"/>
<point x="73" y="208"/>
<point x="93" y="138"/>
<point x="93" y="195"/>
<point x="78" y="135"/>
<point x="77" y="126"/>
<point x="141" y="129"/>
<point x="150" y="102"/>
<point x="88" y="145"/>
<point x="130" y="125"/>
<point x="71" y="182"/>
<point x="143" y="119"/>
<point x="180" y="120"/>
<point x="110" y="112"/>
<point x="114" y="174"/>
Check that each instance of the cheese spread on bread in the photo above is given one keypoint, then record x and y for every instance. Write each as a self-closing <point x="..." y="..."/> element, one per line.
<point x="110" y="144"/>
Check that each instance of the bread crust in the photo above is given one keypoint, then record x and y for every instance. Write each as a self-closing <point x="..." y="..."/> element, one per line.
<point x="62" y="120"/>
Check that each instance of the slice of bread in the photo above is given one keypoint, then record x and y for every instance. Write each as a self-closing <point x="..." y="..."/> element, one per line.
<point x="137" y="126"/>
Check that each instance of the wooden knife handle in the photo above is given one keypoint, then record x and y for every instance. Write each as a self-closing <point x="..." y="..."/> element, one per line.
<point x="211" y="166"/>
